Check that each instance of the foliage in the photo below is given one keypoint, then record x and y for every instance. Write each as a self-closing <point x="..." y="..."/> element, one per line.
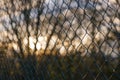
<point x="56" y="67"/>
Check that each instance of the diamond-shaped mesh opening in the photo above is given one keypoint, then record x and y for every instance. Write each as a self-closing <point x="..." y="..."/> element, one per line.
<point x="60" y="40"/>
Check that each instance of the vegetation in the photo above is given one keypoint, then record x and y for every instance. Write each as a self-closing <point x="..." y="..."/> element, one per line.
<point x="56" y="67"/>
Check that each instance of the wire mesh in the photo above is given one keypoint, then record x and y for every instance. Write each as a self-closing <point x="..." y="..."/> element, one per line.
<point x="59" y="40"/>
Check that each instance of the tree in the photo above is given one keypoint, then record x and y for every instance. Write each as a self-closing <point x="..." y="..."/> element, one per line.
<point x="22" y="20"/>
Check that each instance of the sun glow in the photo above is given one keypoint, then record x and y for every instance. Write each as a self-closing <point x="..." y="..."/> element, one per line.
<point x="55" y="42"/>
<point x="41" y="44"/>
<point x="32" y="42"/>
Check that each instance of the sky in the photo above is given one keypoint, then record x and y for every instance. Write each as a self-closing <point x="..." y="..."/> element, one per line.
<point x="55" y="5"/>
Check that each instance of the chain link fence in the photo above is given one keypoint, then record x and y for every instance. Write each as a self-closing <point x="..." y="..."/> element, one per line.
<point x="60" y="40"/>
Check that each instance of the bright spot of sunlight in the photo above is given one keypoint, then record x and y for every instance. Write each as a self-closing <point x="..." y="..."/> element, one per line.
<point x="63" y="51"/>
<point x="32" y="41"/>
<point x="38" y="46"/>
<point x="54" y="41"/>
<point x="25" y="41"/>
<point x="15" y="46"/>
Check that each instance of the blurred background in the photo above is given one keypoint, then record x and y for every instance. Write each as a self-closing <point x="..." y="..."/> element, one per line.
<point x="60" y="40"/>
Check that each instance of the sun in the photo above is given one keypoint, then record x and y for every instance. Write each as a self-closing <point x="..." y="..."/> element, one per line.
<point x="31" y="42"/>
<point x="41" y="43"/>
